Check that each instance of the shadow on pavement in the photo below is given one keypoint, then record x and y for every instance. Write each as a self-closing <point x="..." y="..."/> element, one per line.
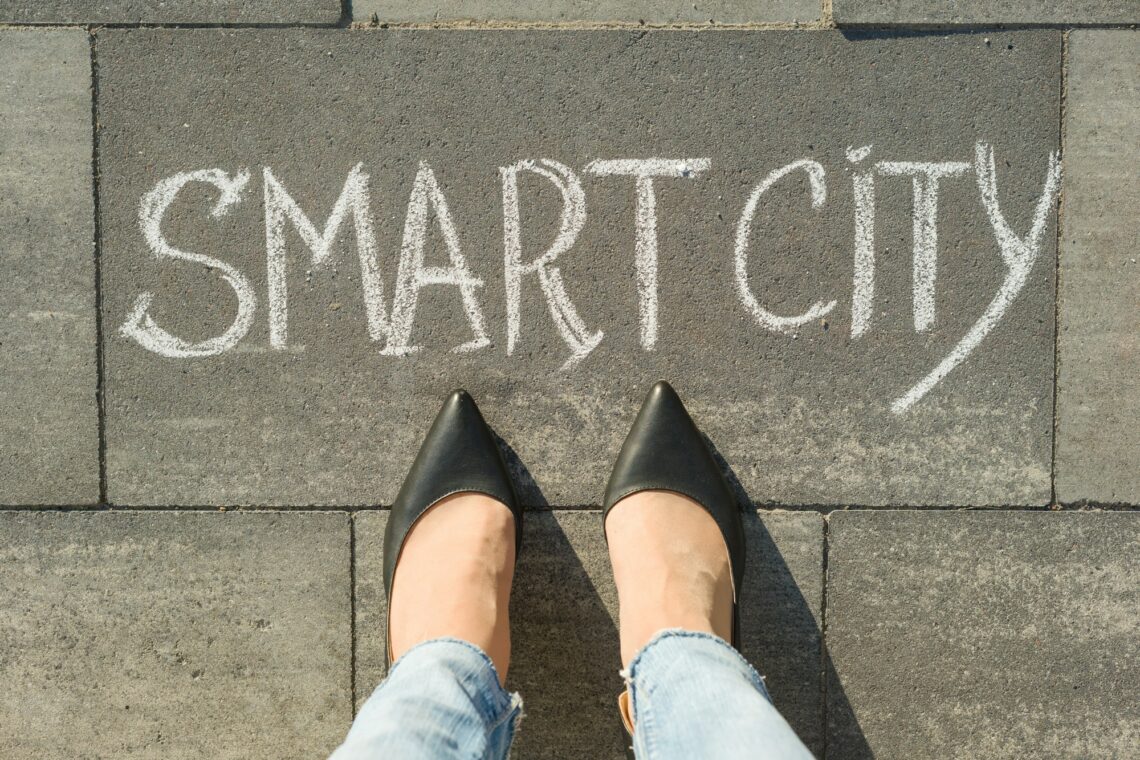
<point x="565" y="648"/>
<point x="566" y="654"/>
<point x="784" y="640"/>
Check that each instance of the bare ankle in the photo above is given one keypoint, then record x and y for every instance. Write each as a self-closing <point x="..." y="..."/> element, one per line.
<point x="454" y="577"/>
<point x="671" y="568"/>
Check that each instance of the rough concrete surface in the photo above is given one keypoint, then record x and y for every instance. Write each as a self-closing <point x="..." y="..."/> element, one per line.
<point x="647" y="11"/>
<point x="49" y="435"/>
<point x="802" y="417"/>
<point x="565" y="656"/>
<point x="986" y="11"/>
<point x="173" y="635"/>
<point x="984" y="634"/>
<point x="170" y="11"/>
<point x="1098" y="382"/>
<point x="371" y="607"/>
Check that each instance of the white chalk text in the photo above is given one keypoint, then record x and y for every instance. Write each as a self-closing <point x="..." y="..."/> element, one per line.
<point x="390" y="322"/>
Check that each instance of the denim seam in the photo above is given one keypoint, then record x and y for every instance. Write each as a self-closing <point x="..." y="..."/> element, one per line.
<point x="512" y="715"/>
<point x="514" y="706"/>
<point x="502" y="698"/>
<point x="646" y="732"/>
<point x="681" y="633"/>
<point x="645" y="729"/>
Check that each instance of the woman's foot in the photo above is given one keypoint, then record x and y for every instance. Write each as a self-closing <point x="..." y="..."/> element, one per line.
<point x="465" y="597"/>
<point x="671" y="567"/>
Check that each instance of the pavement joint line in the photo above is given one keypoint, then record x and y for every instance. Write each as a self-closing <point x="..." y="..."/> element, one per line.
<point x="352" y="591"/>
<point x="1061" y="141"/>
<point x="821" y="24"/>
<point x="971" y="28"/>
<point x="823" y="638"/>
<point x="92" y="27"/>
<point x="1093" y="506"/>
<point x="825" y="23"/>
<point x="824" y="511"/>
<point x="266" y="25"/>
<point x="100" y="396"/>
<point x="505" y="24"/>
<point x="588" y="26"/>
<point x="24" y="27"/>
<point x="170" y="511"/>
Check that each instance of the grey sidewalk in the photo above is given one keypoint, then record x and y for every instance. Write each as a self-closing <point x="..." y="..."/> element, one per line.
<point x="208" y="399"/>
<point x="801" y="407"/>
<point x="983" y="634"/>
<point x="885" y="13"/>
<point x="48" y="346"/>
<point x="950" y="634"/>
<point x="962" y="12"/>
<point x="1098" y="383"/>
<point x="179" y="635"/>
<point x="327" y="12"/>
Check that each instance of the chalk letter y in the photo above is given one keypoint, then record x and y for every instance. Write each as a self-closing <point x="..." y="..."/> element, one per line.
<point x="1018" y="254"/>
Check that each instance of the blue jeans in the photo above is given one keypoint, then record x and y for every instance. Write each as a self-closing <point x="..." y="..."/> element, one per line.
<point x="692" y="696"/>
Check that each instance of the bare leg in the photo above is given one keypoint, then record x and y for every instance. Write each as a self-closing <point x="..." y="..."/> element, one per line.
<point x="671" y="568"/>
<point x="454" y="578"/>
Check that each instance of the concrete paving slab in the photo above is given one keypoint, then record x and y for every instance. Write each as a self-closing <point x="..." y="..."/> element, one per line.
<point x="221" y="389"/>
<point x="629" y="11"/>
<point x="49" y="427"/>
<point x="983" y="634"/>
<point x="174" y="635"/>
<point x="1098" y="381"/>
<point x="986" y="11"/>
<point x="170" y="11"/>
<point x="781" y="607"/>
<point x="371" y="607"/>
<point x="565" y="657"/>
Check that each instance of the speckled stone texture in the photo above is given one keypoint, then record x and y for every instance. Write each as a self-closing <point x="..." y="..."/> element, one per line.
<point x="565" y="656"/>
<point x="627" y="11"/>
<point x="983" y="634"/>
<point x="173" y="635"/>
<point x="963" y="12"/>
<point x="371" y="605"/>
<point x="1098" y="381"/>
<point x="170" y="11"/>
<point x="803" y="417"/>
<point x="49" y="434"/>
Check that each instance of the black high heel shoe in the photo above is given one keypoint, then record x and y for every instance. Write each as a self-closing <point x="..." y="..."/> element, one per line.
<point x="665" y="451"/>
<point x="458" y="455"/>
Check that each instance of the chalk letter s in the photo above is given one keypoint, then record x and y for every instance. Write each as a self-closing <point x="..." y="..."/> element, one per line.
<point x="139" y="325"/>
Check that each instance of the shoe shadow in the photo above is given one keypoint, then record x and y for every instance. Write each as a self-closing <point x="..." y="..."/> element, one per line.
<point x="565" y="646"/>
<point x="526" y="487"/>
<point x="782" y="630"/>
<point x="565" y="653"/>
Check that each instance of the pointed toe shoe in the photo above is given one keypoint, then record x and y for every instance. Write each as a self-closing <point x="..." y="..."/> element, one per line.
<point x="458" y="455"/>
